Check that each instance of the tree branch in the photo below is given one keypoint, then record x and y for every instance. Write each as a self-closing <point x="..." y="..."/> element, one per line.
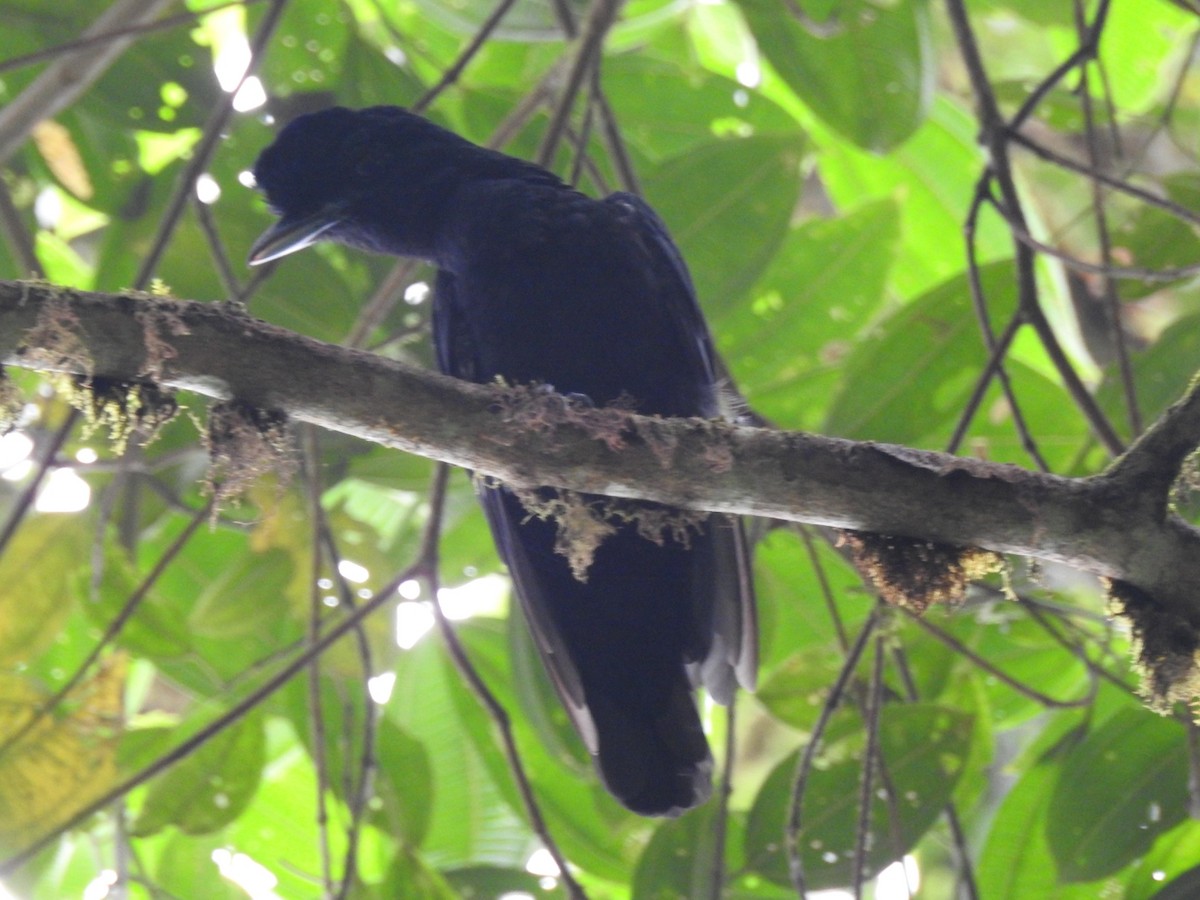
<point x="62" y="82"/>
<point x="1116" y="525"/>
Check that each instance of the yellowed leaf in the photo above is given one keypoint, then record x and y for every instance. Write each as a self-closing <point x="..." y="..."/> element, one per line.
<point x="64" y="760"/>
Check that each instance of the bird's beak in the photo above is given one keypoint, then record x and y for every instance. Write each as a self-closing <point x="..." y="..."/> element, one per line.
<point x="289" y="235"/>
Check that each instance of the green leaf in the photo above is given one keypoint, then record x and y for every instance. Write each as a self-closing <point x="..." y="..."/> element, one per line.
<point x="797" y="688"/>
<point x="932" y="176"/>
<point x="37" y="571"/>
<point x="491" y="881"/>
<point x="471" y="819"/>
<point x="666" y="109"/>
<point x="209" y="788"/>
<point x="130" y="95"/>
<point x="924" y="748"/>
<point x="394" y="514"/>
<point x="1007" y="638"/>
<point x="1161" y="372"/>
<point x="186" y="862"/>
<point x="1169" y="870"/>
<point x="600" y="841"/>
<point x="1185" y="887"/>
<point x="1122" y="787"/>
<point x="869" y="76"/>
<point x="151" y="631"/>
<point x="728" y="204"/>
<point x="538" y="701"/>
<point x="1137" y="38"/>
<point x="1046" y="14"/>
<point x="527" y="22"/>
<point x="911" y="377"/>
<point x="402" y="801"/>
<point x="247" y="595"/>
<point x="212" y="564"/>
<point x="280" y="829"/>
<point x="793" y="614"/>
<point x="1054" y="422"/>
<point x="55" y="766"/>
<point x="678" y="861"/>
<point x="1153" y="239"/>
<point x="818" y="294"/>
<point x="410" y="876"/>
<point x="1016" y="862"/>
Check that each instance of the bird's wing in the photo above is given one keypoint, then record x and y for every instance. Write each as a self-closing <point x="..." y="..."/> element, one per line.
<point x="452" y="345"/>
<point x="727" y="566"/>
<point x="677" y="288"/>
<point x="505" y="513"/>
<point x="455" y="353"/>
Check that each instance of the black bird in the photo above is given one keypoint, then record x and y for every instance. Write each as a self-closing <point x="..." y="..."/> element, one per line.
<point x="539" y="284"/>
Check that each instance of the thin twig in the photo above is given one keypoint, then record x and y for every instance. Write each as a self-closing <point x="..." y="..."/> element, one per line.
<point x="997" y="350"/>
<point x="206" y="147"/>
<point x="1133" y="273"/>
<point x="601" y="17"/>
<point x="1039" y="612"/>
<point x="1084" y="50"/>
<point x="216" y="250"/>
<point x="495" y="710"/>
<point x="104" y="37"/>
<point x="586" y="165"/>
<point x="1167" y="116"/>
<point x="579" y="141"/>
<point x="113" y="629"/>
<point x="1093" y="172"/>
<point x="455" y="70"/>
<point x="993" y="134"/>
<point x="1112" y="302"/>
<point x="20" y="241"/>
<point x="962" y="851"/>
<point x="24" y="502"/>
<point x="1193" y="782"/>
<point x="357" y="792"/>
<point x="866" y="784"/>
<point x="520" y="115"/>
<point x="966" y="872"/>
<point x="614" y="143"/>
<point x="565" y="18"/>
<point x="983" y="382"/>
<point x="804" y="765"/>
<point x="716" y="878"/>
<point x="818" y="568"/>
<point x="58" y="85"/>
<point x="979" y="662"/>
<point x="385" y="298"/>
<point x="829" y="28"/>
<point x="213" y="728"/>
<point x="316" y="715"/>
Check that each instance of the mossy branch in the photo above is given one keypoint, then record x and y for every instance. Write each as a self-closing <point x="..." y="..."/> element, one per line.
<point x="1112" y="525"/>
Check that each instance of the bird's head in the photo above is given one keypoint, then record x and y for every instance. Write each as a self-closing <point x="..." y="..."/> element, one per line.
<point x="376" y="178"/>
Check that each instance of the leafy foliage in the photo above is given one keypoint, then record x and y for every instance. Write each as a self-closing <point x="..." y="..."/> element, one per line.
<point x="817" y="161"/>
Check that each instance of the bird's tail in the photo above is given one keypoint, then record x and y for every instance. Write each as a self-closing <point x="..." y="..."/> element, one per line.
<point x="655" y="761"/>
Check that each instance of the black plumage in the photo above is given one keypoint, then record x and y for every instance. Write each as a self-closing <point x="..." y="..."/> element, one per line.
<point x="539" y="284"/>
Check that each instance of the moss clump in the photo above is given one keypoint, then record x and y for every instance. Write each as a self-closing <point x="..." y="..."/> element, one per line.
<point x="123" y="408"/>
<point x="245" y="443"/>
<point x="1165" y="646"/>
<point x="914" y="574"/>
